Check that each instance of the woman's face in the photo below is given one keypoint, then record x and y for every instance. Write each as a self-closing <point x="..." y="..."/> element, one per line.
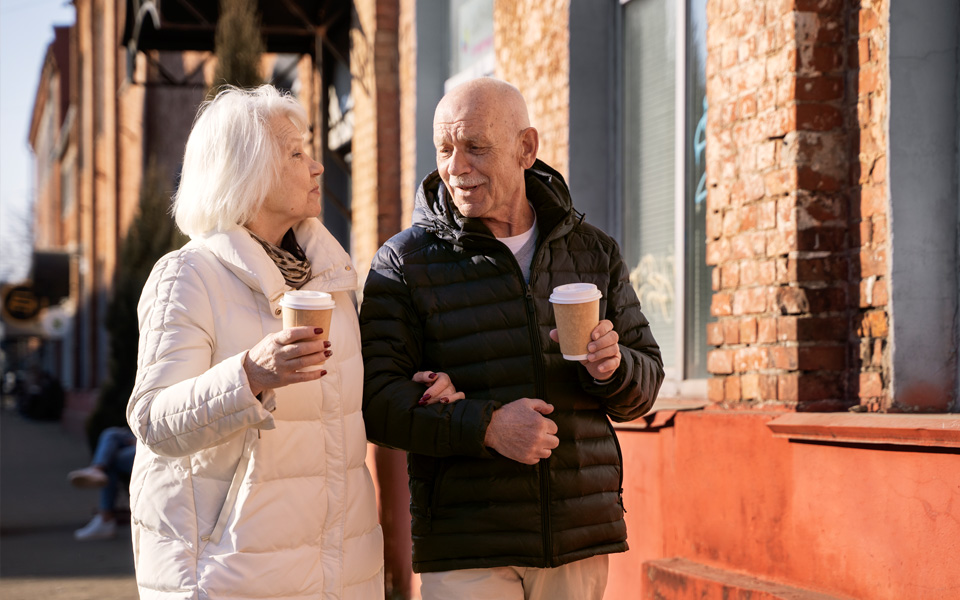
<point x="297" y="194"/>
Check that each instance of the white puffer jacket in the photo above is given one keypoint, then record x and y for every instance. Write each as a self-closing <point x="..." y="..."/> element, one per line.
<point x="233" y="497"/>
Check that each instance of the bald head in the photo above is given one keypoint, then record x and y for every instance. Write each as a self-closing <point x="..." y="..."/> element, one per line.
<point x="484" y="143"/>
<point x="493" y="100"/>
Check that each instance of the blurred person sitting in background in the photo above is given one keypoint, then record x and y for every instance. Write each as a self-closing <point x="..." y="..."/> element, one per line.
<point x="111" y="465"/>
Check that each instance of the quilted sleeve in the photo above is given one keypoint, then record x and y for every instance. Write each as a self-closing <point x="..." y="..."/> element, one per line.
<point x="630" y="393"/>
<point x="181" y="401"/>
<point x="392" y="335"/>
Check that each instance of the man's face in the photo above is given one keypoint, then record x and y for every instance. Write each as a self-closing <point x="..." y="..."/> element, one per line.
<point x="478" y="158"/>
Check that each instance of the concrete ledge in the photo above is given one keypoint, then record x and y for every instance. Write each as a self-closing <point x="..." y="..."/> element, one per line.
<point x="899" y="429"/>
<point x="682" y="579"/>
<point x="662" y="413"/>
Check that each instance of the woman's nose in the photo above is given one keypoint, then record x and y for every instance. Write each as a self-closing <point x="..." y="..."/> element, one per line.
<point x="316" y="169"/>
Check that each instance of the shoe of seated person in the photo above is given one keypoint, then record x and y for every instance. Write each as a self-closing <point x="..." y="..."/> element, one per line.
<point x="87" y="477"/>
<point x="97" y="529"/>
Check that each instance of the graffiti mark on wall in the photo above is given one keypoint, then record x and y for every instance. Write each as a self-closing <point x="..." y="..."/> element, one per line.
<point x="653" y="280"/>
<point x="699" y="147"/>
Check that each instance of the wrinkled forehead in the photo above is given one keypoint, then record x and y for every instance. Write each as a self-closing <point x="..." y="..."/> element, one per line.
<point x="285" y="131"/>
<point x="463" y="129"/>
<point x="479" y="111"/>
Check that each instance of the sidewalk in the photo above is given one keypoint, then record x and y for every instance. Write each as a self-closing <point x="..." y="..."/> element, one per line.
<point x="39" y="511"/>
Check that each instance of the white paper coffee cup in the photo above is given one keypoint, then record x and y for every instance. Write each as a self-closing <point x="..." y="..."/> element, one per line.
<point x="576" y="309"/>
<point x="308" y="308"/>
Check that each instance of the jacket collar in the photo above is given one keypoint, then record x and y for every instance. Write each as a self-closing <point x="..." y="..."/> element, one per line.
<point x="332" y="270"/>
<point x="435" y="211"/>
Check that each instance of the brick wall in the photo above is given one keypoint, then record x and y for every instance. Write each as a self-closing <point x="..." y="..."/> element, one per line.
<point x="376" y="138"/>
<point x="409" y="178"/>
<point x="532" y="42"/>
<point x="867" y="79"/>
<point x="794" y="139"/>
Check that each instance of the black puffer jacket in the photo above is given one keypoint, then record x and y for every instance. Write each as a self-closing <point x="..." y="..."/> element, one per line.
<point x="445" y="295"/>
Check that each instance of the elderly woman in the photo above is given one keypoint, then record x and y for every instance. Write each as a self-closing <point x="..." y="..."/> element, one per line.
<point x="249" y="479"/>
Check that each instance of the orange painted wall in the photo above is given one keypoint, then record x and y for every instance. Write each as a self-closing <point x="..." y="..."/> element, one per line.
<point x="863" y="522"/>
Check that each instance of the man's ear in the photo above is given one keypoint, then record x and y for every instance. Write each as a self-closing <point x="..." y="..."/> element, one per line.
<point x="529" y="145"/>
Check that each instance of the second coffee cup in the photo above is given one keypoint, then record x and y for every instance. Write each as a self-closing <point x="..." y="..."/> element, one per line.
<point x="576" y="308"/>
<point x="307" y="308"/>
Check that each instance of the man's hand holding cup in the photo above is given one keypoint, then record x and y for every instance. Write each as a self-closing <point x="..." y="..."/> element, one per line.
<point x="581" y="333"/>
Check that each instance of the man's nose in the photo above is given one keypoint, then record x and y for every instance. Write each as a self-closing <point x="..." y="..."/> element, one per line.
<point x="458" y="163"/>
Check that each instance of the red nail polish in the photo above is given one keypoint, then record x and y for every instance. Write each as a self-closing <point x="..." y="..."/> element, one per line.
<point x="328" y="353"/>
<point x="317" y="331"/>
<point x="322" y="373"/>
<point x="425" y="398"/>
<point x="445" y="400"/>
<point x="326" y="344"/>
<point x="422" y="402"/>
<point x="432" y="376"/>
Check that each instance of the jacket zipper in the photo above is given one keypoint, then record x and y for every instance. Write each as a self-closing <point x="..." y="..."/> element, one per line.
<point x="533" y="328"/>
<point x="543" y="467"/>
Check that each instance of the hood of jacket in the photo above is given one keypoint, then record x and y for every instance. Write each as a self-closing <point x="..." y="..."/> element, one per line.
<point x="435" y="211"/>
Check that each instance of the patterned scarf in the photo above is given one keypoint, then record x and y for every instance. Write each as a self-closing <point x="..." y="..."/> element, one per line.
<point x="289" y="258"/>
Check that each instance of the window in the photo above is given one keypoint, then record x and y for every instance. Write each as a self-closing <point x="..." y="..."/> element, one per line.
<point x="471" y="41"/>
<point x="68" y="191"/>
<point x="336" y="133"/>
<point x="924" y="203"/>
<point x="663" y="52"/>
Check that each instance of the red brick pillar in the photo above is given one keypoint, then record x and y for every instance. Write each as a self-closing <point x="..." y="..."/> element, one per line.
<point x="532" y="39"/>
<point x="377" y="208"/>
<point x="778" y="172"/>
<point x="867" y="106"/>
<point x="374" y="63"/>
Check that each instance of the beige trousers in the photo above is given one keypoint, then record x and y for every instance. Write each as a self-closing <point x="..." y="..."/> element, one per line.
<point x="581" y="580"/>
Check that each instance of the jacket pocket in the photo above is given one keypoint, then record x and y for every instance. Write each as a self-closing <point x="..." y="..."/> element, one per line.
<point x="231" y="499"/>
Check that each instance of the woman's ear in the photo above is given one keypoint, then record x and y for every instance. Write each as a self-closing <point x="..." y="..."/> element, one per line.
<point x="529" y="145"/>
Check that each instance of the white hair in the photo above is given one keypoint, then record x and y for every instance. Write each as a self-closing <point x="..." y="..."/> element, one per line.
<point x="232" y="158"/>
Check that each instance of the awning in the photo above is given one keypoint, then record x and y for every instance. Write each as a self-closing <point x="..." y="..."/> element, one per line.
<point x="287" y="25"/>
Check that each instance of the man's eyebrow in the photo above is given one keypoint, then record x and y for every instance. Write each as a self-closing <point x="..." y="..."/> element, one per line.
<point x="445" y="136"/>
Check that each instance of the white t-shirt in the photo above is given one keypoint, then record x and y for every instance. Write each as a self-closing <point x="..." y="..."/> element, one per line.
<point x="523" y="246"/>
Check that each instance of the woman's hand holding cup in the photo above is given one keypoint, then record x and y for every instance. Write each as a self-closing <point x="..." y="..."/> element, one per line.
<point x="279" y="358"/>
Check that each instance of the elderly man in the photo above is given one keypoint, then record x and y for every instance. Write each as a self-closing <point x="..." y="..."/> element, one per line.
<point x="515" y="489"/>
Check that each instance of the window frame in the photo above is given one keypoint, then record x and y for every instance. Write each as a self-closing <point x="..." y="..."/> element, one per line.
<point x="484" y="67"/>
<point x="677" y="383"/>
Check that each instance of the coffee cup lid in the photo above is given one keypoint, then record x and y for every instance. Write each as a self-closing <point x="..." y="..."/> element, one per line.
<point x="575" y="293"/>
<point x="307" y="300"/>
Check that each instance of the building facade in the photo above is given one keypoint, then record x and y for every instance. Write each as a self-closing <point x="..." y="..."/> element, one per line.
<point x="119" y="91"/>
<point x="782" y="177"/>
